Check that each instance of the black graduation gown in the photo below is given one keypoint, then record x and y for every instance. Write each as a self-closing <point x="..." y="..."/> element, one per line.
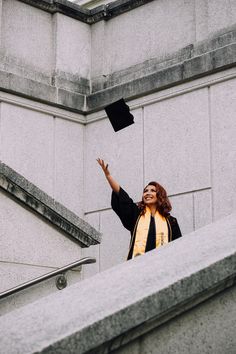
<point x="129" y="214"/>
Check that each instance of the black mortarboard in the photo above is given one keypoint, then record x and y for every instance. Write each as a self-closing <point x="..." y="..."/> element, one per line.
<point x="119" y="115"/>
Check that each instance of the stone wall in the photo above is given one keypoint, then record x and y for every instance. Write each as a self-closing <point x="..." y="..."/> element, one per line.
<point x="182" y="137"/>
<point x="37" y="235"/>
<point x="173" y="61"/>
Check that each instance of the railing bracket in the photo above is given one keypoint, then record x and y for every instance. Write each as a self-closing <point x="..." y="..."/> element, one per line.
<point x="61" y="281"/>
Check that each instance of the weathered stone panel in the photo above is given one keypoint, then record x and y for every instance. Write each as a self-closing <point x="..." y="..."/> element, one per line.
<point x="26" y="238"/>
<point x="115" y="244"/>
<point x="94" y="250"/>
<point x="223" y="123"/>
<point x="73" y="46"/>
<point x="27" y="144"/>
<point x="123" y="151"/>
<point x="202" y="208"/>
<point x="153" y="30"/>
<point x="183" y="210"/>
<point x="69" y="164"/>
<point x="176" y="142"/>
<point x="27" y="35"/>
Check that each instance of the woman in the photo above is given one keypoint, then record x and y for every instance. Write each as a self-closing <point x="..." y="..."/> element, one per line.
<point x="149" y="221"/>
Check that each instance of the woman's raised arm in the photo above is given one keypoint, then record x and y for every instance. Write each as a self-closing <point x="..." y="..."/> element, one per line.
<point x="114" y="185"/>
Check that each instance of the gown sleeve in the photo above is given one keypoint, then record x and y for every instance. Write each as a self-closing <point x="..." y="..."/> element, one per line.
<point x="175" y="229"/>
<point x="125" y="208"/>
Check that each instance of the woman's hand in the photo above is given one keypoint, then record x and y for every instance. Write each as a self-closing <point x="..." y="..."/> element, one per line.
<point x="114" y="185"/>
<point x="104" y="167"/>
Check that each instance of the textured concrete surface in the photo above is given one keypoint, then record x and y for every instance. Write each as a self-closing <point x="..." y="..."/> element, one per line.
<point x="202" y="208"/>
<point x="159" y="32"/>
<point x="13" y="274"/>
<point x="182" y="209"/>
<point x="115" y="242"/>
<point x="27" y="144"/>
<point x="94" y="250"/>
<point x="26" y="238"/>
<point x="188" y="271"/>
<point x="73" y="45"/>
<point x="208" y="328"/>
<point x="118" y="150"/>
<point x="176" y="132"/>
<point x="223" y="103"/>
<point x="17" y="187"/>
<point x="69" y="165"/>
<point x="27" y="31"/>
<point x="219" y="13"/>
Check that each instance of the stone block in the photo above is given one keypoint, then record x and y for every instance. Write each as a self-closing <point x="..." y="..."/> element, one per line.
<point x="131" y="348"/>
<point x="71" y="100"/>
<point x="123" y="152"/>
<point x="115" y="241"/>
<point x="69" y="167"/>
<point x="208" y="328"/>
<point x="73" y="45"/>
<point x="138" y="87"/>
<point x="201" y="15"/>
<point x="27" y="34"/>
<point x="71" y="82"/>
<point x="176" y="142"/>
<point x="26" y="87"/>
<point x="94" y="250"/>
<point x="99" y="64"/>
<point x="198" y="65"/>
<point x="159" y="32"/>
<point x="30" y="196"/>
<point x="220" y="15"/>
<point x="202" y="208"/>
<point x="182" y="209"/>
<point x="223" y="126"/>
<point x="27" y="144"/>
<point x="26" y="238"/>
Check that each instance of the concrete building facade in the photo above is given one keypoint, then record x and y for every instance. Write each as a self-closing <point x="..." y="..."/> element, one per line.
<point x="174" y="64"/>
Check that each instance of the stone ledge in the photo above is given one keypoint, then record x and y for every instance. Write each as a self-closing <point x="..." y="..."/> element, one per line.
<point x="103" y="12"/>
<point x="35" y="90"/>
<point x="190" y="69"/>
<point x="189" y="63"/>
<point x="27" y="193"/>
<point x="26" y="87"/>
<point x="190" y="271"/>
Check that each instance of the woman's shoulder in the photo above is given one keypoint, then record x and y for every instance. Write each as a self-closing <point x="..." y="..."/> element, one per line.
<point x="172" y="218"/>
<point x="174" y="226"/>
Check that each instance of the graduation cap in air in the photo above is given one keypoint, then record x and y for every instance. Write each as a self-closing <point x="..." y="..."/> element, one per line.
<point x="119" y="115"/>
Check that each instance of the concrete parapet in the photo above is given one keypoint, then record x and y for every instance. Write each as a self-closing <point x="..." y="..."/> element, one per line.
<point x="185" y="286"/>
<point x="156" y="77"/>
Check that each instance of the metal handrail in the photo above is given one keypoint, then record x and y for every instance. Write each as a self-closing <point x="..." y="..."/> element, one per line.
<point x="61" y="271"/>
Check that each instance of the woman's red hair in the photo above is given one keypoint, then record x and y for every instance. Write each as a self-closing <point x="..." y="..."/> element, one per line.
<point x="163" y="204"/>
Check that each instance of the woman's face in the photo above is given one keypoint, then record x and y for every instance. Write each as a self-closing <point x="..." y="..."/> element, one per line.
<point x="150" y="195"/>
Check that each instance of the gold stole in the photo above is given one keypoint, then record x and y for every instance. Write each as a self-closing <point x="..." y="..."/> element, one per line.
<point x="142" y="232"/>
